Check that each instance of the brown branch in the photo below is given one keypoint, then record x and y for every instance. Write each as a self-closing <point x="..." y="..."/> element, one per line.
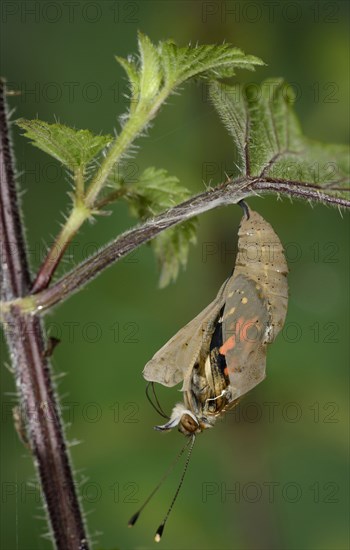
<point x="49" y="265"/>
<point x="306" y="191"/>
<point x="125" y="243"/>
<point x="65" y="236"/>
<point x="75" y="220"/>
<point x="229" y="193"/>
<point x="25" y="338"/>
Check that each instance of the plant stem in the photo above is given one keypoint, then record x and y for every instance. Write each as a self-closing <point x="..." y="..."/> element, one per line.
<point x="139" y="120"/>
<point x="227" y="193"/>
<point x="298" y="190"/>
<point x="84" y="205"/>
<point x="25" y="338"/>
<point x="127" y="242"/>
<point x="112" y="197"/>
<point x="75" y="220"/>
<point x="79" y="181"/>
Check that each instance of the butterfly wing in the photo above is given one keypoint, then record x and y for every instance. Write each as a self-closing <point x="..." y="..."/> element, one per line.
<point x="177" y="357"/>
<point x="245" y="321"/>
<point x="262" y="313"/>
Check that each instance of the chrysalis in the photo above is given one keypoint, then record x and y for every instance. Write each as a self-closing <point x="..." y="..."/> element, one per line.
<point x="221" y="354"/>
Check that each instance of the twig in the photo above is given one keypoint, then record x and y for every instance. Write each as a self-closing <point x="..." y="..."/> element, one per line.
<point x="125" y="243"/>
<point x="228" y="193"/>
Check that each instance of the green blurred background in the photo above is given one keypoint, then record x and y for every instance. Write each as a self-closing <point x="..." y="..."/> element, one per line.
<point x="273" y="474"/>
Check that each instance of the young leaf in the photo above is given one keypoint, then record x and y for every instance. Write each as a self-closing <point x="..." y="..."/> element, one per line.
<point x="73" y="148"/>
<point x="130" y="67"/>
<point x="172" y="248"/>
<point x="206" y="62"/>
<point x="270" y="142"/>
<point x="150" y="73"/>
<point x="164" y="67"/>
<point x="155" y="192"/>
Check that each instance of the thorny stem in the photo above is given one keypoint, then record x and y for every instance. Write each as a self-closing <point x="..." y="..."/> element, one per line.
<point x="79" y="180"/>
<point x="87" y="204"/>
<point x="25" y="338"/>
<point x="112" y="197"/>
<point x="75" y="220"/>
<point x="127" y="242"/>
<point x="133" y="127"/>
<point x="228" y="193"/>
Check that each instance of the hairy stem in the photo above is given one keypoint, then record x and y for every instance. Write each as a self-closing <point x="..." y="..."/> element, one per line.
<point x="79" y="183"/>
<point x="25" y="338"/>
<point x="85" y="204"/>
<point x="127" y="242"/>
<point x="310" y="192"/>
<point x="131" y="129"/>
<point x="75" y="220"/>
<point x="228" y="193"/>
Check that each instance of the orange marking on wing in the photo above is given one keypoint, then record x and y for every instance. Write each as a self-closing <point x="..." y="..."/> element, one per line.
<point x="244" y="330"/>
<point x="229" y="344"/>
<point x="231" y="341"/>
<point x="241" y="335"/>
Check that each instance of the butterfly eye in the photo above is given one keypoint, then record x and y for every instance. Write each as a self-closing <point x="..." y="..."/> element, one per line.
<point x="188" y="424"/>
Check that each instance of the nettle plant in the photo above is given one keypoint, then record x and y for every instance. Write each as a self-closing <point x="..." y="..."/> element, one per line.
<point x="273" y="157"/>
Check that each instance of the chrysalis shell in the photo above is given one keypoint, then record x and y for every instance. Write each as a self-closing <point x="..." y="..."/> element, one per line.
<point x="261" y="257"/>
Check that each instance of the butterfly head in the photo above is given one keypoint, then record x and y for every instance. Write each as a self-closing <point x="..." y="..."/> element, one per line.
<point x="188" y="423"/>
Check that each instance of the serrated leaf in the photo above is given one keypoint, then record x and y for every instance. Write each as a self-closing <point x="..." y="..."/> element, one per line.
<point x="172" y="249"/>
<point x="130" y="67"/>
<point x="73" y="148"/>
<point x="155" y="192"/>
<point x="163" y="67"/>
<point x="269" y="138"/>
<point x="206" y="62"/>
<point x="150" y="73"/>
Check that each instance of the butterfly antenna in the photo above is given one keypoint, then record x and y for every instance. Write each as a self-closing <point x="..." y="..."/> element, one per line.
<point x="157" y="401"/>
<point x="135" y="517"/>
<point x="157" y="407"/>
<point x="245" y="208"/>
<point x="160" y="529"/>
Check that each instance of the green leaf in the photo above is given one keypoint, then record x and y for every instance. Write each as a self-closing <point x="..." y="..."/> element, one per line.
<point x="206" y="62"/>
<point x="150" y="73"/>
<point x="164" y="67"/>
<point x="155" y="192"/>
<point x="130" y="67"/>
<point x="172" y="249"/>
<point x="73" y="148"/>
<point x="269" y="138"/>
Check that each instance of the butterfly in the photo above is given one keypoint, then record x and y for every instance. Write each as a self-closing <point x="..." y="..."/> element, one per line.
<point x="220" y="355"/>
